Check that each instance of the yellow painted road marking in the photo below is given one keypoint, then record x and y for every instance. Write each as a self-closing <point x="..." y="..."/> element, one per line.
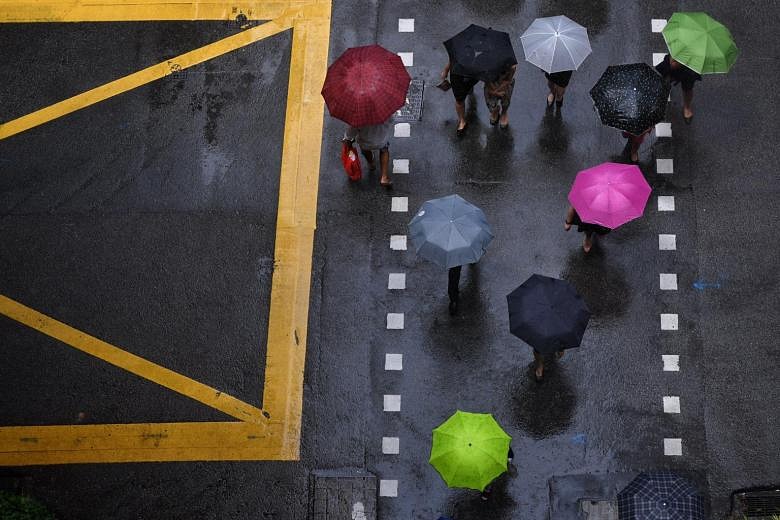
<point x="44" y="445"/>
<point x="130" y="362"/>
<point x="277" y="437"/>
<point x="142" y="77"/>
<point x="141" y="10"/>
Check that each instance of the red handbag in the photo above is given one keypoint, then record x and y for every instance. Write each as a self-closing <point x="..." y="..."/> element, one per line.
<point x="351" y="162"/>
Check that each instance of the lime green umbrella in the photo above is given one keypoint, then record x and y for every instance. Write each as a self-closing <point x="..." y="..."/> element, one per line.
<point x="700" y="42"/>
<point x="469" y="450"/>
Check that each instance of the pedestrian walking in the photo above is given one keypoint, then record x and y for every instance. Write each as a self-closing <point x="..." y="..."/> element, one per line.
<point x="573" y="219"/>
<point x="485" y="494"/>
<point x="498" y="96"/>
<point x="370" y="139"/>
<point x="462" y="86"/>
<point x="557" y="83"/>
<point x="674" y="71"/>
<point x="453" y="290"/>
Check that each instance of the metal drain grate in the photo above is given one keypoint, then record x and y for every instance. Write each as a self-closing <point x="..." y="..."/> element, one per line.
<point x="412" y="110"/>
<point x="756" y="503"/>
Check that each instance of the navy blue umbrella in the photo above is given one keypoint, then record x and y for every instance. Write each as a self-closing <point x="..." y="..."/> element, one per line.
<point x="480" y="53"/>
<point x="660" y="495"/>
<point x="548" y="314"/>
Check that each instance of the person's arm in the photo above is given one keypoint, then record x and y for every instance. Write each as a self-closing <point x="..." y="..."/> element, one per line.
<point x="446" y="71"/>
<point x="569" y="218"/>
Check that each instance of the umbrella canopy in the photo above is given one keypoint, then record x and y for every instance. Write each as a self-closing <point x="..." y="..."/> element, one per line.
<point x="555" y="44"/>
<point x="700" y="42"/>
<point x="548" y="314"/>
<point x="366" y="85"/>
<point x="450" y="231"/>
<point x="610" y="194"/>
<point x="480" y="53"/>
<point x="631" y="97"/>
<point x="660" y="495"/>
<point x="469" y="450"/>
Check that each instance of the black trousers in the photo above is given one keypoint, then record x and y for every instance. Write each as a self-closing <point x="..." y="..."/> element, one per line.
<point x="453" y="282"/>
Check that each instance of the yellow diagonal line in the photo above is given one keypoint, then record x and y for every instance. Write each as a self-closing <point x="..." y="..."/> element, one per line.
<point x="147" y="75"/>
<point x="130" y="362"/>
<point x="14" y="11"/>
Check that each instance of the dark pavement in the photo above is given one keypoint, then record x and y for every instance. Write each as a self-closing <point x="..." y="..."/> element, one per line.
<point x="148" y="220"/>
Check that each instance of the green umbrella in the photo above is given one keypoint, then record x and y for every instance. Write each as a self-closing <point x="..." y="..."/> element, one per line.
<point x="469" y="450"/>
<point x="700" y="42"/>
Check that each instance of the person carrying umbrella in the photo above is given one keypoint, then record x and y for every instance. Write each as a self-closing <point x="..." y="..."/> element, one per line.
<point x="363" y="88"/>
<point x="450" y="232"/>
<point x="558" y="46"/>
<point x="698" y="45"/>
<point x="607" y="196"/>
<point x="480" y="54"/>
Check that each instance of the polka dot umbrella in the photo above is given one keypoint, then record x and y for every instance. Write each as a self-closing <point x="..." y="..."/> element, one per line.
<point x="630" y="97"/>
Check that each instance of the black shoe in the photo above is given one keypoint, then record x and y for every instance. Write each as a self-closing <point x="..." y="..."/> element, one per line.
<point x="453" y="308"/>
<point x="559" y="104"/>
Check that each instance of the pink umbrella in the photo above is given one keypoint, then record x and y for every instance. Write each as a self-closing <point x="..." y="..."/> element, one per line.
<point x="609" y="194"/>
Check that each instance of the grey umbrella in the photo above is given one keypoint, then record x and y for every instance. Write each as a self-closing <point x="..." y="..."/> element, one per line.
<point x="450" y="231"/>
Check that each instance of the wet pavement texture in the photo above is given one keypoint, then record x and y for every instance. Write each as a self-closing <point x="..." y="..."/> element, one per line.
<point x="89" y="229"/>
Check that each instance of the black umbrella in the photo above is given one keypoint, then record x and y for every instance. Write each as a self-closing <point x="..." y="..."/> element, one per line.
<point x="631" y="97"/>
<point x="660" y="495"/>
<point x="480" y="53"/>
<point x="548" y="314"/>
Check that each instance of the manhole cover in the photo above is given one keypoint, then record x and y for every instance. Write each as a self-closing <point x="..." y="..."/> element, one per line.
<point x="412" y="110"/>
<point x="757" y="504"/>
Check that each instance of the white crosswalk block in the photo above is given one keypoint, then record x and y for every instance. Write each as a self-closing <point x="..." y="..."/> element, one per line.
<point x="407" y="58"/>
<point x="391" y="445"/>
<point x="669" y="322"/>
<point x="400" y="165"/>
<point x="667" y="242"/>
<point x="673" y="447"/>
<point x="388" y="488"/>
<point x="398" y="242"/>
<point x="396" y="281"/>
<point x="392" y="403"/>
<point x="402" y="130"/>
<point x="658" y="57"/>
<point x="664" y="166"/>
<point x="671" y="404"/>
<point x="406" y="25"/>
<point x="399" y="204"/>
<point x="665" y="203"/>
<point x="663" y="130"/>
<point x="671" y="362"/>
<point x="395" y="320"/>
<point x="394" y="361"/>
<point x="657" y="24"/>
<point x="668" y="281"/>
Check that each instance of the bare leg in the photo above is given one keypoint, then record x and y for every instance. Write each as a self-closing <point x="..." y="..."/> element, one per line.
<point x="384" y="162"/>
<point x="588" y="242"/>
<point x="369" y="155"/>
<point x="687" y="100"/>
<point x="559" y="91"/>
<point x="460" y="109"/>
<point x="635" y="143"/>
<point x="538" y="364"/>
<point x="551" y="95"/>
<point x="504" y="119"/>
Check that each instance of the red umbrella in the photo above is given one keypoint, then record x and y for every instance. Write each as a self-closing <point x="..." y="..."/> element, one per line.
<point x="366" y="85"/>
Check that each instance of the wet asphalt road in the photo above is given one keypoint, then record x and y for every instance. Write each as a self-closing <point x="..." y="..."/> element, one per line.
<point x="166" y="196"/>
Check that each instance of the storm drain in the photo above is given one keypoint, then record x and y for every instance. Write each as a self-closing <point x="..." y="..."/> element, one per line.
<point x="412" y="109"/>
<point x="342" y="495"/>
<point x="599" y="509"/>
<point x="758" y="504"/>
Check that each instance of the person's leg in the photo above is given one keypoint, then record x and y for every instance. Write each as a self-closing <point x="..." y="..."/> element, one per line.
<point x="369" y="155"/>
<point x="453" y="281"/>
<point x="506" y="100"/>
<point x="636" y="141"/>
<point x="384" y="166"/>
<point x="551" y="95"/>
<point x="538" y="365"/>
<point x="588" y="242"/>
<point x="687" y="100"/>
<point x="460" y="109"/>
<point x="559" y="91"/>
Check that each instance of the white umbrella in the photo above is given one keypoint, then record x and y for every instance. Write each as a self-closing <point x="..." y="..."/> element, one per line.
<point x="556" y="44"/>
